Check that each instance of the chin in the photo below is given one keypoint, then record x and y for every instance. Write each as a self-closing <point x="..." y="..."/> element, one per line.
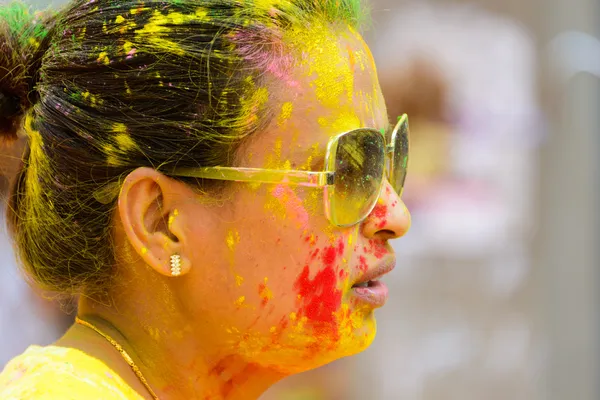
<point x="309" y="346"/>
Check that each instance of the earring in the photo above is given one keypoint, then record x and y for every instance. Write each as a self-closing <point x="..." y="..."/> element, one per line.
<point x="175" y="265"/>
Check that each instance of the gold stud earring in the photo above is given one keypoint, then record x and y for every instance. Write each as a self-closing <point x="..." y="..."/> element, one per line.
<point x="175" y="265"/>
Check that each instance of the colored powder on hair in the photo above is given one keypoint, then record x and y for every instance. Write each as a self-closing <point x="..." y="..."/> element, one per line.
<point x="159" y="25"/>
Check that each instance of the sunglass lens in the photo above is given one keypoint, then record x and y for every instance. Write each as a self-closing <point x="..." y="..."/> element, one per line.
<point x="359" y="170"/>
<point x="400" y="161"/>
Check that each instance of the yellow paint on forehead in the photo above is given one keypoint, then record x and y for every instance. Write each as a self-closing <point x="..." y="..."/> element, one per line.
<point x="324" y="62"/>
<point x="345" y="121"/>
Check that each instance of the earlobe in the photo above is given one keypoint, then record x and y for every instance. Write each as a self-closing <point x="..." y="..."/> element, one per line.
<point x="146" y="212"/>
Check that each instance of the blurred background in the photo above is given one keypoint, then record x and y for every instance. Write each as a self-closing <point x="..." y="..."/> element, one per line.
<point x="497" y="285"/>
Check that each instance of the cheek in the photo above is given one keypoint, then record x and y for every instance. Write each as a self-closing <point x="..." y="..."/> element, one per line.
<point x="318" y="285"/>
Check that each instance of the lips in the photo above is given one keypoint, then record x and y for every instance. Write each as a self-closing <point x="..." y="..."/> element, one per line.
<point x="368" y="289"/>
<point x="385" y="265"/>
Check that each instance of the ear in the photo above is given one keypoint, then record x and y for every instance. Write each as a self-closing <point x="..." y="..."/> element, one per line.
<point x="147" y="209"/>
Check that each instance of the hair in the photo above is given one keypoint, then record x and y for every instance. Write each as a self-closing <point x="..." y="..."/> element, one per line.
<point x="105" y="86"/>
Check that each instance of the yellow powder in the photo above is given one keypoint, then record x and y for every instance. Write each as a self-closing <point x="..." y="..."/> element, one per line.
<point x="240" y="301"/>
<point x="103" y="58"/>
<point x="127" y="46"/>
<point x="155" y="30"/>
<point x="286" y="113"/>
<point x="326" y="64"/>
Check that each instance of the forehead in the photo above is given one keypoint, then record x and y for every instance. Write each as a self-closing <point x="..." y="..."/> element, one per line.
<point x="330" y="88"/>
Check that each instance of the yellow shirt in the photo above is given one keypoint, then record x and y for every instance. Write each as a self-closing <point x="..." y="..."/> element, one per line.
<point x="63" y="374"/>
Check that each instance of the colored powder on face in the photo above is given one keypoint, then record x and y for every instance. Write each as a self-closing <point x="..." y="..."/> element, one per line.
<point x="377" y="248"/>
<point x="264" y="292"/>
<point x="380" y="212"/>
<point x="329" y="68"/>
<point x="232" y="240"/>
<point x="286" y="113"/>
<point x="294" y="208"/>
<point x="329" y="256"/>
<point x="345" y="120"/>
<point x="363" y="264"/>
<point x="320" y="295"/>
<point x="240" y="301"/>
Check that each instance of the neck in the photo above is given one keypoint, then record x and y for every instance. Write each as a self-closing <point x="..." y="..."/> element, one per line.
<point x="176" y="361"/>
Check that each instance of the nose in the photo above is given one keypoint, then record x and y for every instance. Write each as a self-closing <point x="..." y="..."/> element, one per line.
<point x="390" y="219"/>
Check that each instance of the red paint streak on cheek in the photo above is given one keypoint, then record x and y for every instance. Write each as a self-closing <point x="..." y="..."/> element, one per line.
<point x="314" y="254"/>
<point x="329" y="256"/>
<point x="340" y="248"/>
<point x="320" y="295"/>
<point x="343" y="274"/>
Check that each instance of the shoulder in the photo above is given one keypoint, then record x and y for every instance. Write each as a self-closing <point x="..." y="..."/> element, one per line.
<point x="61" y="373"/>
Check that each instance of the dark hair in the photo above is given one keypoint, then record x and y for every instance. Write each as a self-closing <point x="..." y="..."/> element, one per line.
<point x="107" y="86"/>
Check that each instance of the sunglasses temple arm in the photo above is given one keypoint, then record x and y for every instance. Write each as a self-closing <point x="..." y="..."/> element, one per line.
<point x="259" y="175"/>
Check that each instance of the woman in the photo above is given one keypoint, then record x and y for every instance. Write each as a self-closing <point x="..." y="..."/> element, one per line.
<point x="217" y="180"/>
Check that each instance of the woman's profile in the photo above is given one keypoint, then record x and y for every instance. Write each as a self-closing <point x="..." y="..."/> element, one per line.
<point x="216" y="180"/>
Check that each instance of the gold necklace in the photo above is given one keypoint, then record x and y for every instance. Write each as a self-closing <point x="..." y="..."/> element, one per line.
<point x="124" y="354"/>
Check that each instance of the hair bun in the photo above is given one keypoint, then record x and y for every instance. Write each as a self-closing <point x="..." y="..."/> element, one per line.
<point x="22" y="46"/>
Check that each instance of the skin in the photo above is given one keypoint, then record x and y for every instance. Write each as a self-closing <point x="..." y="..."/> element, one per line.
<point x="265" y="290"/>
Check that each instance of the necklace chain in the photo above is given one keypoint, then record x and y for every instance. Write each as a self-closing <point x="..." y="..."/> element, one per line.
<point x="123" y="353"/>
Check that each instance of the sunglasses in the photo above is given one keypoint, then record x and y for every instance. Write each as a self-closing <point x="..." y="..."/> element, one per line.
<point x="356" y="165"/>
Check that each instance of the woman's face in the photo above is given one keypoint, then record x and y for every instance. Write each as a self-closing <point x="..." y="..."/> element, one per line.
<point x="271" y="278"/>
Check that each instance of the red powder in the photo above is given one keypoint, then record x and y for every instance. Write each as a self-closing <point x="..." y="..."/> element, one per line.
<point x="329" y="256"/>
<point x="363" y="264"/>
<point x="314" y="254"/>
<point x="380" y="210"/>
<point x="340" y="248"/>
<point x="320" y="295"/>
<point x="377" y="248"/>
